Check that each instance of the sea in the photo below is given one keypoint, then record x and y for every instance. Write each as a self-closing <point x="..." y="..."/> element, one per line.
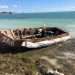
<point x="63" y="20"/>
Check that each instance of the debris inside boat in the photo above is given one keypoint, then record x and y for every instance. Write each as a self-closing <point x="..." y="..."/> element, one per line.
<point x="32" y="37"/>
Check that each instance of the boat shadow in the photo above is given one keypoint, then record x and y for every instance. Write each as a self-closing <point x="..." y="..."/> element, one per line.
<point x="15" y="50"/>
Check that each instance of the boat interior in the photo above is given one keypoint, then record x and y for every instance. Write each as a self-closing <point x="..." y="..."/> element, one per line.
<point x="33" y="33"/>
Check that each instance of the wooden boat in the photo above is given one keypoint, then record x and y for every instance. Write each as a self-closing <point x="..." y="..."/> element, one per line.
<point x="32" y="37"/>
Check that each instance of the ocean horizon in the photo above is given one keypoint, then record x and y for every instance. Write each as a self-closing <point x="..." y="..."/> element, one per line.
<point x="64" y="20"/>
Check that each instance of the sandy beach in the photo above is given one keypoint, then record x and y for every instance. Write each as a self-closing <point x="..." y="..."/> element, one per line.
<point x="23" y="63"/>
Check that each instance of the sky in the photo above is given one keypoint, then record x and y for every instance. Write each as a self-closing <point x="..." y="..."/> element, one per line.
<point x="29" y="6"/>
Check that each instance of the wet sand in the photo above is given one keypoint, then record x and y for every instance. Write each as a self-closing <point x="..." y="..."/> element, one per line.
<point x="23" y="63"/>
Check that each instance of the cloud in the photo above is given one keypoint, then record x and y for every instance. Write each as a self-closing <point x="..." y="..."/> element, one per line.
<point x="4" y="7"/>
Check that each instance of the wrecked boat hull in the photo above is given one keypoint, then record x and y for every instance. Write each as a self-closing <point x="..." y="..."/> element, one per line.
<point x="26" y="38"/>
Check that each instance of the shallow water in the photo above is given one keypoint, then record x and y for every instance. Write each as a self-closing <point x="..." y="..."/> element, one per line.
<point x="64" y="20"/>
